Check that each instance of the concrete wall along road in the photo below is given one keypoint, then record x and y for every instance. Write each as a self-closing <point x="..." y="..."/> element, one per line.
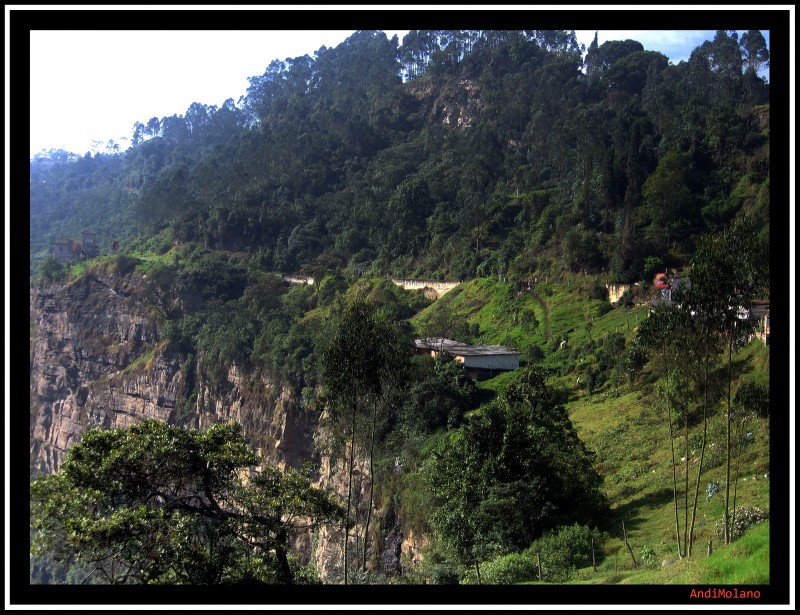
<point x="439" y="287"/>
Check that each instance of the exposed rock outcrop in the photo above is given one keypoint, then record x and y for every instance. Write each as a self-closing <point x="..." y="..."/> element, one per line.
<point x="96" y="360"/>
<point x="456" y="104"/>
<point x="89" y="366"/>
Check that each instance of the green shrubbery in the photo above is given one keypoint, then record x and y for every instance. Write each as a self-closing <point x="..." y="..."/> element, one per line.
<point x="50" y="270"/>
<point x="505" y="570"/>
<point x="552" y="558"/>
<point x="752" y="397"/>
<point x="564" y="550"/>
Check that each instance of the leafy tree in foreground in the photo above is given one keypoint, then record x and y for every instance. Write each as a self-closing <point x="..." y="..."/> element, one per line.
<point x="438" y="397"/>
<point x="162" y="504"/>
<point x="510" y="473"/>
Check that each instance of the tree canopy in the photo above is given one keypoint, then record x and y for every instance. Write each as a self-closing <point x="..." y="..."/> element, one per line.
<point x="166" y="505"/>
<point x="336" y="158"/>
<point x="515" y="469"/>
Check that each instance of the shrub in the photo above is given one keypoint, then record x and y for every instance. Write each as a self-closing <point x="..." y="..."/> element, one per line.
<point x="123" y="264"/>
<point x="528" y="319"/>
<point x="50" y="270"/>
<point x="752" y="397"/>
<point x="603" y="309"/>
<point x="562" y="552"/>
<point x="744" y="518"/>
<point x="443" y="573"/>
<point x="532" y="353"/>
<point x="504" y="570"/>
<point x="599" y="292"/>
<point x="626" y="299"/>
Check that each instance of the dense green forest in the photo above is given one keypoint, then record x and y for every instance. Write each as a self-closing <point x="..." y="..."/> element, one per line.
<point x="452" y="155"/>
<point x="534" y="171"/>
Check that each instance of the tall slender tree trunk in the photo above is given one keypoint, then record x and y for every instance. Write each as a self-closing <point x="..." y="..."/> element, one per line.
<point x="627" y="544"/>
<point x="349" y="491"/>
<point x="371" y="485"/>
<point x="674" y="479"/>
<point x="728" y="437"/>
<point x="740" y="431"/>
<point x="702" y="454"/>
<point x="686" y="481"/>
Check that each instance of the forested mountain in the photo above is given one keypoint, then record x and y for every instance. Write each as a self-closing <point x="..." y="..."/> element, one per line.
<point x="449" y="155"/>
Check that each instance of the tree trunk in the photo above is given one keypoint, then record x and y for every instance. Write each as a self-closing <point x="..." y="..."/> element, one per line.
<point x="283" y="560"/>
<point x="702" y="454"/>
<point x="674" y="477"/>
<point x="736" y="474"/>
<point x="728" y="448"/>
<point x="686" y="482"/>
<point x="371" y="485"/>
<point x="349" y="491"/>
<point x="628" y="545"/>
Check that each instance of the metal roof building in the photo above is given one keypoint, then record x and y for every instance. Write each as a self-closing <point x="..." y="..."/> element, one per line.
<point x="479" y="361"/>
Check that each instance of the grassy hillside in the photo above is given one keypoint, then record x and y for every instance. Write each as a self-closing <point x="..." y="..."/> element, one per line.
<point x="568" y="327"/>
<point x="618" y="420"/>
<point x="743" y="562"/>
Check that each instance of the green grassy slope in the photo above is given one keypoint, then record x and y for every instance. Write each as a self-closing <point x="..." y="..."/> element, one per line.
<point x="619" y="422"/>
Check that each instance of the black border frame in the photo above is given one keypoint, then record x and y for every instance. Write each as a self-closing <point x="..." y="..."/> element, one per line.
<point x="777" y="20"/>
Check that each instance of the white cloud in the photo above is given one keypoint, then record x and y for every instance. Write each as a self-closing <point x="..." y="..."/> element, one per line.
<point x="677" y="45"/>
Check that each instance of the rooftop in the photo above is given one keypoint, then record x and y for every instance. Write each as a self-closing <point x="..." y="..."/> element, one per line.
<point x="461" y="349"/>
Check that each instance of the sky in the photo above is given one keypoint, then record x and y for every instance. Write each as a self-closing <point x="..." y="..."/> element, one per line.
<point x="88" y="88"/>
<point x="79" y="95"/>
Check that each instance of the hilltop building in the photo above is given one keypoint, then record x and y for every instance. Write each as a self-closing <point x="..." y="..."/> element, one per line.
<point x="68" y="250"/>
<point x="480" y="362"/>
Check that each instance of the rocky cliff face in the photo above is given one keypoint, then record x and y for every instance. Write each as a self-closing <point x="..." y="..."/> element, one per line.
<point x="96" y="359"/>
<point x="455" y="104"/>
<point x="93" y="363"/>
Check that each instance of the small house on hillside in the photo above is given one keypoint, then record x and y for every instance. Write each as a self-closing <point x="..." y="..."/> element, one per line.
<point x="480" y="362"/>
<point x="68" y="250"/>
<point x="759" y="309"/>
<point x="668" y="286"/>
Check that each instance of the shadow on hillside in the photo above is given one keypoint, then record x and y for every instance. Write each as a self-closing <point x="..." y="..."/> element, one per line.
<point x="630" y="513"/>
<point x="485" y="396"/>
